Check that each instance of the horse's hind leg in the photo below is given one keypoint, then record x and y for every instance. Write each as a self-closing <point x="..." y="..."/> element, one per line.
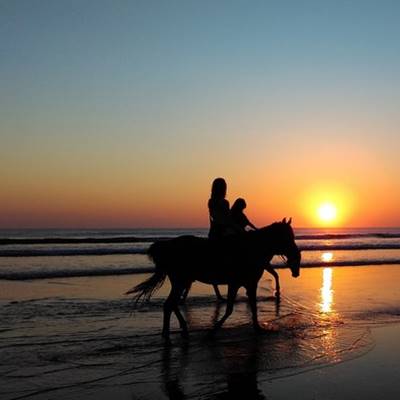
<point x="171" y="304"/>
<point x="252" y="296"/>
<point x="182" y="322"/>
<point x="232" y="292"/>
<point x="218" y="293"/>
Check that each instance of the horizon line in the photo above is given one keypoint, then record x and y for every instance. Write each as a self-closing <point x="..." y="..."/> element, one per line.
<point x="187" y="228"/>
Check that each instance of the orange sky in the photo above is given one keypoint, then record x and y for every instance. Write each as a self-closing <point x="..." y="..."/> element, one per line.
<point x="291" y="179"/>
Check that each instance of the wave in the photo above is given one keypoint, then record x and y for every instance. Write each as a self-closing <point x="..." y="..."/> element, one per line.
<point x="353" y="263"/>
<point x="149" y="239"/>
<point x="69" y="252"/>
<point x="87" y="240"/>
<point x="343" y="236"/>
<point x="54" y="252"/>
<point x="353" y="246"/>
<point x="73" y="273"/>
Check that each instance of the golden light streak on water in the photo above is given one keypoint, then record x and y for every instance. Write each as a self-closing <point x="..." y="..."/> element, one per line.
<point x="326" y="291"/>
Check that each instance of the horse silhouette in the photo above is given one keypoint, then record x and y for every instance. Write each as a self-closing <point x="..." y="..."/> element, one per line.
<point x="235" y="260"/>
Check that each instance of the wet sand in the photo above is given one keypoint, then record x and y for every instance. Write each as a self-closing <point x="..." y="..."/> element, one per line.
<point x="334" y="335"/>
<point x="374" y="375"/>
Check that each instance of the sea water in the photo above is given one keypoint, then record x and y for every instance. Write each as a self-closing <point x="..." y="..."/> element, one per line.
<point x="39" y="254"/>
<point x="68" y="331"/>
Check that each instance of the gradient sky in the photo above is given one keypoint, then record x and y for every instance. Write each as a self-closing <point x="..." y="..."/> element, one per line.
<point x="120" y="113"/>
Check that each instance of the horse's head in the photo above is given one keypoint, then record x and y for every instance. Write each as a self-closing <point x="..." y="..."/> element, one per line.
<point x="285" y="245"/>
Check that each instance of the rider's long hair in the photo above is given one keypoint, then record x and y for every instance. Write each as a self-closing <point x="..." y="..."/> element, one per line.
<point x="218" y="189"/>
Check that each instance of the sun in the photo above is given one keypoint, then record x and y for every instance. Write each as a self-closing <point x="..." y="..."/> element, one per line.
<point x="327" y="212"/>
<point x="327" y="205"/>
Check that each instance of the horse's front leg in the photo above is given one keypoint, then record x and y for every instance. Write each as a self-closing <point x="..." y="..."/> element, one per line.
<point x="185" y="293"/>
<point x="276" y="276"/>
<point x="232" y="292"/>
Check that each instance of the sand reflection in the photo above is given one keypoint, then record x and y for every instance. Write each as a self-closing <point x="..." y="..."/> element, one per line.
<point x="326" y="291"/>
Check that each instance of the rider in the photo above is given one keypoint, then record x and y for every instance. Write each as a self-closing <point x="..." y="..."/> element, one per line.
<point x="239" y="217"/>
<point x="221" y="223"/>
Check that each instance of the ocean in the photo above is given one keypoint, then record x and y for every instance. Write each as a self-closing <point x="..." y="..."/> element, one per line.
<point x="67" y="330"/>
<point x="44" y="254"/>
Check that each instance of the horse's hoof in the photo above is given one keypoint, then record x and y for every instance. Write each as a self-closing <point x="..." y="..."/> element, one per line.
<point x="259" y="330"/>
<point x="211" y="333"/>
<point x="165" y="335"/>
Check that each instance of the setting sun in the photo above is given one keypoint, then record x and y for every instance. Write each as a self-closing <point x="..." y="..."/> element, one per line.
<point x="327" y="212"/>
<point x="328" y="205"/>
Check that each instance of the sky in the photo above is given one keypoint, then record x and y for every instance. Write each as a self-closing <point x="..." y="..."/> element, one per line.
<point x="121" y="113"/>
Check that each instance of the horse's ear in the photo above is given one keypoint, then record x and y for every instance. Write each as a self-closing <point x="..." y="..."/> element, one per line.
<point x="284" y="221"/>
<point x="290" y="221"/>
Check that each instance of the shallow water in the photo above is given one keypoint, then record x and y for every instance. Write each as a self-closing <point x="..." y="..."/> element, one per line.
<point x="78" y="337"/>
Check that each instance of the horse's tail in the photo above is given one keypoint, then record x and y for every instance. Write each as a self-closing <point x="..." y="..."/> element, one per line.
<point x="144" y="291"/>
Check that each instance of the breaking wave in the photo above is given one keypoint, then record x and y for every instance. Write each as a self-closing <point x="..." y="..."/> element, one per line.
<point x="72" y="272"/>
<point x="100" y="251"/>
<point x="149" y="239"/>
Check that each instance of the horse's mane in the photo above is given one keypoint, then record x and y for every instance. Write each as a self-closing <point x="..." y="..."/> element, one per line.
<point x="266" y="229"/>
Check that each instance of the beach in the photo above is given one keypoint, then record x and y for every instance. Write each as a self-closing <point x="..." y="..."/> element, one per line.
<point x="126" y="125"/>
<point x="333" y="335"/>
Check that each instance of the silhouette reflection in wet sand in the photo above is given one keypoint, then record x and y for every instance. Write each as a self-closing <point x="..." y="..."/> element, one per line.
<point x="237" y="385"/>
<point x="236" y="260"/>
<point x="237" y="363"/>
<point x="234" y="366"/>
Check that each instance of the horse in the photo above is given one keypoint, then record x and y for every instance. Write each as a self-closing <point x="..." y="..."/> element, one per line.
<point x="235" y="260"/>
<point x="269" y="268"/>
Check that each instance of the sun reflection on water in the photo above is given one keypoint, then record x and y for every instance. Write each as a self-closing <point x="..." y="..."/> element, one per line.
<point x="326" y="257"/>
<point x="326" y="291"/>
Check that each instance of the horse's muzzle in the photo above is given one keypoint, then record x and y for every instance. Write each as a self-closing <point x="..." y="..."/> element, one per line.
<point x="294" y="263"/>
